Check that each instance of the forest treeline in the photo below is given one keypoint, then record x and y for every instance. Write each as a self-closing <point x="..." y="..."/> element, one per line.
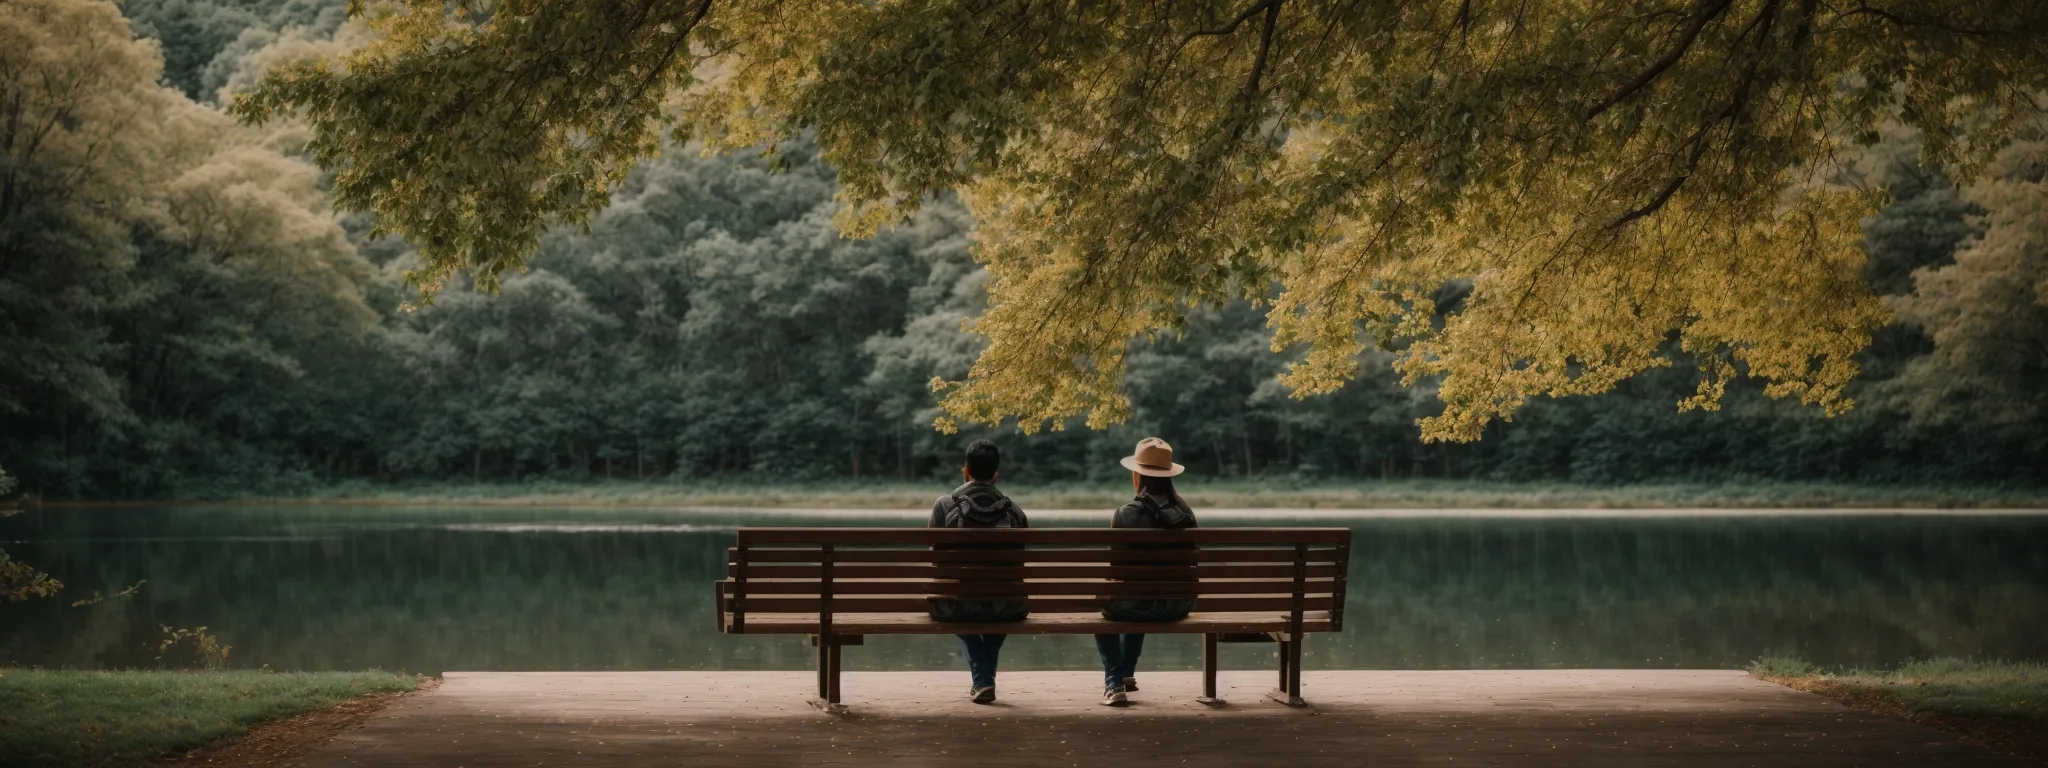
<point x="181" y="313"/>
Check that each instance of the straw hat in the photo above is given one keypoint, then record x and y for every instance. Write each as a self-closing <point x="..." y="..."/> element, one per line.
<point x="1153" y="457"/>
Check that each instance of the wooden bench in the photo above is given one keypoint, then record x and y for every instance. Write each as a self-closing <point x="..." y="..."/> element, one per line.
<point x="838" y="585"/>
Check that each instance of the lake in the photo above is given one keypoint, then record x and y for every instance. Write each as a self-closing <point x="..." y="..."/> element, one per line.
<point x="432" y="589"/>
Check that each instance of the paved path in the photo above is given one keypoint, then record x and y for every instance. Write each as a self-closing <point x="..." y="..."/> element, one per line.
<point x="915" y="719"/>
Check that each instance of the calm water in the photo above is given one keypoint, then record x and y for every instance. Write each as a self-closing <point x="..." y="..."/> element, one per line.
<point x="432" y="589"/>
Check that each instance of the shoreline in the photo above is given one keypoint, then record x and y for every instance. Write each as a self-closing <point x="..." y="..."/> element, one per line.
<point x="136" y="717"/>
<point x="1984" y="701"/>
<point x="285" y="740"/>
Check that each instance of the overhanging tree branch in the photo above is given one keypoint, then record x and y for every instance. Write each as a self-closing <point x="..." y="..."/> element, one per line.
<point x="1709" y="10"/>
<point x="1737" y="103"/>
<point x="1249" y="96"/>
<point x="668" y="56"/>
<point x="1262" y="5"/>
<point x="1268" y="6"/>
<point x="1865" y="10"/>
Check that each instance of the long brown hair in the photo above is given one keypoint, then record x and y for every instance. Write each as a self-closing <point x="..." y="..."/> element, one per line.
<point x="1153" y="485"/>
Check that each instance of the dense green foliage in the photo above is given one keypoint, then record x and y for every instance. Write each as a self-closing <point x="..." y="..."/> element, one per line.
<point x="69" y="718"/>
<point x="180" y="314"/>
<point x="205" y="41"/>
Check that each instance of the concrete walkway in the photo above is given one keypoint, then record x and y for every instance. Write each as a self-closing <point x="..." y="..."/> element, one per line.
<point x="915" y="719"/>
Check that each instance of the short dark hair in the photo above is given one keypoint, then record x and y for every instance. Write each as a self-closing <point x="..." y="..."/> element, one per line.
<point x="982" y="458"/>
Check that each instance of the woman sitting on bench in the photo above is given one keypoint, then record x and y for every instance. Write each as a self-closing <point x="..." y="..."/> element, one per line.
<point x="1156" y="506"/>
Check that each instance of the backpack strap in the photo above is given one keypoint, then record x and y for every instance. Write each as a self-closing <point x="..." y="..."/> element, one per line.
<point x="954" y="515"/>
<point x="1152" y="508"/>
<point x="1145" y="500"/>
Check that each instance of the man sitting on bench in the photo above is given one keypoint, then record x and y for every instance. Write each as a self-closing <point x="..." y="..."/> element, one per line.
<point x="977" y="504"/>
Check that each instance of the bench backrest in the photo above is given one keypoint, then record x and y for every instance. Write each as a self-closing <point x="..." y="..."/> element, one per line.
<point x="826" y="571"/>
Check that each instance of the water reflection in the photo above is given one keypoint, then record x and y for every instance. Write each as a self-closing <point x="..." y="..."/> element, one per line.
<point x="434" y="589"/>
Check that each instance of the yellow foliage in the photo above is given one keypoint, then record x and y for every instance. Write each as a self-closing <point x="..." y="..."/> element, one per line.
<point x="1603" y="176"/>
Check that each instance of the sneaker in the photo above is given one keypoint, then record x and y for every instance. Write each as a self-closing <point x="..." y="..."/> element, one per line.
<point x="1112" y="697"/>
<point x="1130" y="685"/>
<point x="985" y="695"/>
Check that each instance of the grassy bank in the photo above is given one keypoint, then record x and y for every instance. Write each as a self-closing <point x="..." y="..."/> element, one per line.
<point x="69" y="718"/>
<point x="1270" y="493"/>
<point x="2004" y="704"/>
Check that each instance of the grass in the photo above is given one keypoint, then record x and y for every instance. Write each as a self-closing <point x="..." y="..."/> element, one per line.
<point x="129" y="718"/>
<point x="2004" y="704"/>
<point x="1252" y="493"/>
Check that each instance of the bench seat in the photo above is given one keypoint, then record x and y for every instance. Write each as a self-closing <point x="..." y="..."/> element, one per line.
<point x="1218" y="622"/>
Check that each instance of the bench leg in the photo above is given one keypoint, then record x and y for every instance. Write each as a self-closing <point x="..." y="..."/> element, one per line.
<point x="832" y="681"/>
<point x="1285" y="657"/>
<point x="1289" y="690"/>
<point x="828" y="675"/>
<point x="824" y="665"/>
<point x="1209" y="663"/>
<point x="1294" y="672"/>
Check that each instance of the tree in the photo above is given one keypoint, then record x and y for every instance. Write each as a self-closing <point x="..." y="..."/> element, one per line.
<point x="1924" y="222"/>
<point x="1987" y="312"/>
<point x="163" y="273"/>
<point x="1607" y="174"/>
<point x="88" y="131"/>
<point x="1922" y="225"/>
<point x="202" y="38"/>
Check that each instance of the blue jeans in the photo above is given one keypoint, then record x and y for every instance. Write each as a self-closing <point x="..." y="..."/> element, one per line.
<point x="1119" y="658"/>
<point x="981" y="653"/>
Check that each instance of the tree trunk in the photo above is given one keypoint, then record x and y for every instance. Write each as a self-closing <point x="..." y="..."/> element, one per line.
<point x="1244" y="443"/>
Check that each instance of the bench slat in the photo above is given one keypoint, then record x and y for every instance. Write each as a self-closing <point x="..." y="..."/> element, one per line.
<point x="906" y="624"/>
<point x="1096" y="571"/>
<point x="758" y="608"/>
<point x="1098" y="554"/>
<point x="839" y="537"/>
<point x="1008" y="588"/>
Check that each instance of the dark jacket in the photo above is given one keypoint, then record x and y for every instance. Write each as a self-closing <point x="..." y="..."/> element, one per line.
<point x="978" y="504"/>
<point x="1148" y="511"/>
